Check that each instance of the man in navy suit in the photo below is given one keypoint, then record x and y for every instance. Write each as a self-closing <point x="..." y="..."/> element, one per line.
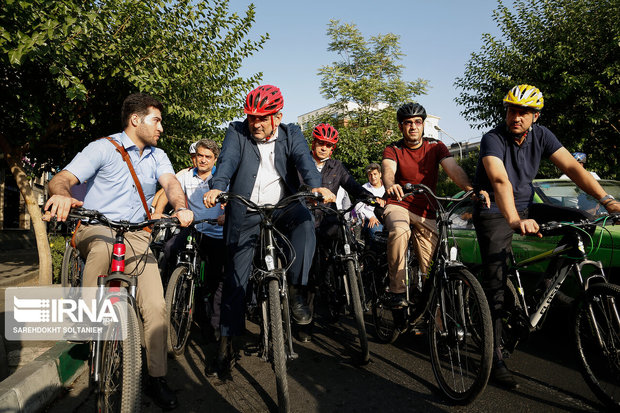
<point x="262" y="159"/>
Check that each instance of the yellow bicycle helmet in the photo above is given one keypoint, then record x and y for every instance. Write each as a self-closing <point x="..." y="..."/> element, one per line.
<point x="525" y="96"/>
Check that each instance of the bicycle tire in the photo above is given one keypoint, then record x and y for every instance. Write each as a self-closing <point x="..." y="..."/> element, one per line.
<point x="179" y="310"/>
<point x="600" y="307"/>
<point x="119" y="388"/>
<point x="72" y="268"/>
<point x="278" y="354"/>
<point x="376" y="283"/>
<point x="358" y="312"/>
<point x="461" y="345"/>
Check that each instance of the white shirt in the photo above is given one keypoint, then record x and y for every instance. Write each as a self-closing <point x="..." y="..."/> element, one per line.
<point x="268" y="186"/>
<point x="364" y="211"/>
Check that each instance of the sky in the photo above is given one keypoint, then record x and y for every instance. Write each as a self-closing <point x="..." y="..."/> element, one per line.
<point x="437" y="38"/>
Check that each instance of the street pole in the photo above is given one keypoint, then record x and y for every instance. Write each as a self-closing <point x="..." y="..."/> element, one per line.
<point x="450" y="136"/>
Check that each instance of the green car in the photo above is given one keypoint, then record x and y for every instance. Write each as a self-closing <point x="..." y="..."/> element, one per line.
<point x="562" y="192"/>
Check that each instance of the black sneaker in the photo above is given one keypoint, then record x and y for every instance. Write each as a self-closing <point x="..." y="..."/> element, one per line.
<point x="397" y="300"/>
<point x="300" y="311"/>
<point x="158" y="390"/>
<point x="502" y="376"/>
<point x="221" y="368"/>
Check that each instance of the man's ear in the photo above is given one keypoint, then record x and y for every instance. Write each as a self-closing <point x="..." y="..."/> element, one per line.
<point x="134" y="120"/>
<point x="536" y="116"/>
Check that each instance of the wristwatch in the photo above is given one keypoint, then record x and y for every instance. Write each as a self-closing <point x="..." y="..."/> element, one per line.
<point x="185" y="209"/>
<point x="606" y="198"/>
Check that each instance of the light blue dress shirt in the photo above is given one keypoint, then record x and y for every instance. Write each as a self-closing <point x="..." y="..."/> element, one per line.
<point x="110" y="186"/>
<point x="195" y="189"/>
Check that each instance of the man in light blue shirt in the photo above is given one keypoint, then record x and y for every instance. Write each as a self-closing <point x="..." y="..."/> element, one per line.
<point x="112" y="191"/>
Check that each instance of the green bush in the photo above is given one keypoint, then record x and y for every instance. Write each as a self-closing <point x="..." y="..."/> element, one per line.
<point x="57" y="246"/>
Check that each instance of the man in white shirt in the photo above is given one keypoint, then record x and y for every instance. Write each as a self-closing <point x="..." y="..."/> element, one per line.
<point x="364" y="212"/>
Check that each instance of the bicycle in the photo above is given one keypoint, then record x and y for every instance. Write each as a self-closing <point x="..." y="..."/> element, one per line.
<point x="450" y="305"/>
<point x="269" y="286"/>
<point x="115" y="356"/>
<point x="597" y="308"/>
<point x="186" y="277"/>
<point x="338" y="278"/>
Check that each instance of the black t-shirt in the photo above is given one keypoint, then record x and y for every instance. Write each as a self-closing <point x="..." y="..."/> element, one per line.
<point x="521" y="161"/>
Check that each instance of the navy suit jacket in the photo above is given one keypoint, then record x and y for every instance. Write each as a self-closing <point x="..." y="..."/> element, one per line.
<point x="238" y="163"/>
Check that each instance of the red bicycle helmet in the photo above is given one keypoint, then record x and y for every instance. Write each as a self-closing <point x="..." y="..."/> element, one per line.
<point x="325" y="132"/>
<point x="264" y="100"/>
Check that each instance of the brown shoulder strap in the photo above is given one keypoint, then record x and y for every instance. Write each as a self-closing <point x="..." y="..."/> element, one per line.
<point x="127" y="160"/>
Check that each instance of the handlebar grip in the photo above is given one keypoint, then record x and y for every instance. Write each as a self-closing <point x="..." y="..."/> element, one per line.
<point x="222" y="198"/>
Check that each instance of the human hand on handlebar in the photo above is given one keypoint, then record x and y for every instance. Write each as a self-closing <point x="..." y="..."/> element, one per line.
<point x="526" y="227"/>
<point x="210" y="198"/>
<point x="59" y="206"/>
<point x="328" y="196"/>
<point x="396" y="191"/>
<point x="483" y="198"/>
<point x="185" y="217"/>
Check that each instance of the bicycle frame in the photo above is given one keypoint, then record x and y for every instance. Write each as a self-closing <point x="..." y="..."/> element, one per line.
<point x="268" y="256"/>
<point x="345" y="250"/>
<point x="574" y="245"/>
<point x="443" y="259"/>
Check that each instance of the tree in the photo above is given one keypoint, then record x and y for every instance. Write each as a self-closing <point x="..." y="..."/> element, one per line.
<point x="365" y="87"/>
<point x="65" y="68"/>
<point x="569" y="50"/>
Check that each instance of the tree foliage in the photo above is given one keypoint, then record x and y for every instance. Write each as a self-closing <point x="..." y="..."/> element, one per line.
<point x="570" y="50"/>
<point x="365" y="87"/>
<point x="65" y="68"/>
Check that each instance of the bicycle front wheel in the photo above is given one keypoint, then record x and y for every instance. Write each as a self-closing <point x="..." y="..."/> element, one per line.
<point x="597" y="333"/>
<point x="179" y="309"/>
<point x="461" y="337"/>
<point x="278" y="354"/>
<point x="121" y="361"/>
<point x="72" y="266"/>
<point x="358" y="312"/>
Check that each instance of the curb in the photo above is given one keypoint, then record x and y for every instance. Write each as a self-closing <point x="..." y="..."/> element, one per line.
<point x="32" y="387"/>
<point x="27" y="277"/>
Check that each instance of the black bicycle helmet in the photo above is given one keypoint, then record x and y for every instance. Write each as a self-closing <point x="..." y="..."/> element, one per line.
<point x="409" y="110"/>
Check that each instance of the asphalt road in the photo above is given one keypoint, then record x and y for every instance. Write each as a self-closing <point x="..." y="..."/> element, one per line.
<point x="399" y="378"/>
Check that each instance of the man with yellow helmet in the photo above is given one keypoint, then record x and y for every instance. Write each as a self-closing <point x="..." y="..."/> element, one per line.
<point x="509" y="159"/>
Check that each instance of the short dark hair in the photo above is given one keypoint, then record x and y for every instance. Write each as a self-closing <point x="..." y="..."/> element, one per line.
<point x="373" y="167"/>
<point x="210" y="145"/>
<point x="138" y="103"/>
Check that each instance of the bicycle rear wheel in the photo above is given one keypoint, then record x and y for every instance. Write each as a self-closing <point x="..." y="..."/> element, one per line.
<point x="598" y="316"/>
<point x="278" y="354"/>
<point x="179" y="309"/>
<point x="376" y="284"/>
<point x="358" y="313"/>
<point x="121" y="360"/>
<point x="461" y="337"/>
<point x="72" y="267"/>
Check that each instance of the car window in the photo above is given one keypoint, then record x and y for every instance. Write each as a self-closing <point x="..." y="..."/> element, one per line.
<point x="567" y="193"/>
<point x="462" y="216"/>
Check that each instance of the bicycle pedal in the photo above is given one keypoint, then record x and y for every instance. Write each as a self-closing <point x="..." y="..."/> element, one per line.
<point x="252" y="350"/>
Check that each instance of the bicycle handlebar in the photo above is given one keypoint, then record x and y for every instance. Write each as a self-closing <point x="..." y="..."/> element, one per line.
<point x="413" y="189"/>
<point x="551" y="226"/>
<point x="224" y="197"/>
<point x="95" y="216"/>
